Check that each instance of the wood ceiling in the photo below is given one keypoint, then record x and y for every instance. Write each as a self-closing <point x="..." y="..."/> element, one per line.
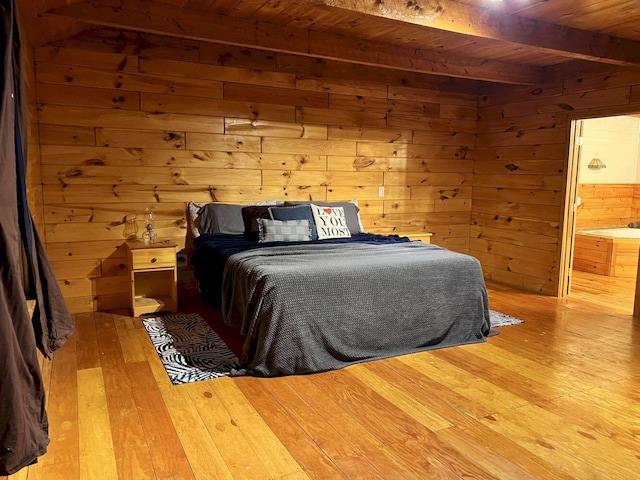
<point x="521" y="42"/>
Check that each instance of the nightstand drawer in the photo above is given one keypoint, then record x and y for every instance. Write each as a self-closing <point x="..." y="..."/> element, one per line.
<point x="153" y="258"/>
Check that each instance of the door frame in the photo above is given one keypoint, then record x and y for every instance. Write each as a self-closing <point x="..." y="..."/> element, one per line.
<point x="570" y="207"/>
<point x="565" y="252"/>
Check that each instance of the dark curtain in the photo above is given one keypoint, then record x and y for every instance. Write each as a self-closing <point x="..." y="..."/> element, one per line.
<point x="25" y="273"/>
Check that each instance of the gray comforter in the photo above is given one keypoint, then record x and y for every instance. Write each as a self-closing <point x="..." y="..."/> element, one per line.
<point x="311" y="308"/>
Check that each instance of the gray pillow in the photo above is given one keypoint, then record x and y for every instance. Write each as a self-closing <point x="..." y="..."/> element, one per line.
<point x="221" y="218"/>
<point x="225" y="217"/>
<point x="284" y="230"/>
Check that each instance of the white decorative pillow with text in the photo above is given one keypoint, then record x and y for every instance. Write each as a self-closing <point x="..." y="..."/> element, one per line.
<point x="330" y="222"/>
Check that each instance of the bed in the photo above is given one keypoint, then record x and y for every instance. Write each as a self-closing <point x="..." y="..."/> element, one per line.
<point x="607" y="251"/>
<point x="315" y="305"/>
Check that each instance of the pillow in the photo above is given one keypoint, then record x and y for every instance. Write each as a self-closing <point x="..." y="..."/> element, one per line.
<point x="330" y="222"/>
<point x="283" y="230"/>
<point x="194" y="218"/>
<point x="219" y="217"/>
<point x="250" y="216"/>
<point x="351" y="212"/>
<point x="299" y="212"/>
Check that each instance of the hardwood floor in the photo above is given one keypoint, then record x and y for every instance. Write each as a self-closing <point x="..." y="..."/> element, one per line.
<point x="555" y="397"/>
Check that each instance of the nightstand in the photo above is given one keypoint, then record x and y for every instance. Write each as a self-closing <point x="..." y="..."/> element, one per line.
<point x="154" y="277"/>
<point x="425" y="237"/>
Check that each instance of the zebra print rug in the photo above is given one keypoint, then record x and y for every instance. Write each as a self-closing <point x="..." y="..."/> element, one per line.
<point x="191" y="351"/>
<point x="502" y="320"/>
<point x="189" y="348"/>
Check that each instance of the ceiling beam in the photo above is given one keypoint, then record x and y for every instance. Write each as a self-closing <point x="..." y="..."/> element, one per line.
<point x="452" y="16"/>
<point x="156" y="18"/>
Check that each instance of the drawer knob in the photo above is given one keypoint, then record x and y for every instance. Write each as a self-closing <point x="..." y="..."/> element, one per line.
<point x="154" y="260"/>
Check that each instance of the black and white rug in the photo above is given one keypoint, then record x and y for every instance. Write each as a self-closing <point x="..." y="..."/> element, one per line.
<point x="502" y="320"/>
<point x="189" y="348"/>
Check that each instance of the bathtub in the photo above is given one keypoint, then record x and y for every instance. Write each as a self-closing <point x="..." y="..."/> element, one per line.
<point x="607" y="251"/>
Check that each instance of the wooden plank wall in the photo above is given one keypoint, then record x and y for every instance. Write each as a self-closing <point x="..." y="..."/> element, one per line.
<point x="34" y="171"/>
<point x="129" y="121"/>
<point x="635" y="204"/>
<point x="518" y="189"/>
<point x="49" y="28"/>
<point x="605" y="205"/>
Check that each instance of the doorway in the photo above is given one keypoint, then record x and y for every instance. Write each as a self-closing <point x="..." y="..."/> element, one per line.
<point x="603" y="171"/>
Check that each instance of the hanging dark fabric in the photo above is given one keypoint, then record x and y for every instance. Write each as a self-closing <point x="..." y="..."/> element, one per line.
<point x="23" y="419"/>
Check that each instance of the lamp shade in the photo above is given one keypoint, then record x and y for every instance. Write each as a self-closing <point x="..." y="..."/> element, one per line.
<point x="596" y="164"/>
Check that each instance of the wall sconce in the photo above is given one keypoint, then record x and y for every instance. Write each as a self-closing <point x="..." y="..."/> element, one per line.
<point x="596" y="164"/>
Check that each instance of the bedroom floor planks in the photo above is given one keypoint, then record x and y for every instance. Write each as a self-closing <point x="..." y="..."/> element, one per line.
<point x="555" y="397"/>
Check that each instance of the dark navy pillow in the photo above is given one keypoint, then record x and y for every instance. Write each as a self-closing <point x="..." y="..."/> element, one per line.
<point x="299" y="212"/>
<point x="250" y="215"/>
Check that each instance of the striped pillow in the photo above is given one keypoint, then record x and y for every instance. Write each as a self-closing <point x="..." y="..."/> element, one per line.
<point x="283" y="230"/>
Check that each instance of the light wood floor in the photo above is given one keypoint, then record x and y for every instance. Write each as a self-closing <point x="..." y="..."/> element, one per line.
<point x="555" y="397"/>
